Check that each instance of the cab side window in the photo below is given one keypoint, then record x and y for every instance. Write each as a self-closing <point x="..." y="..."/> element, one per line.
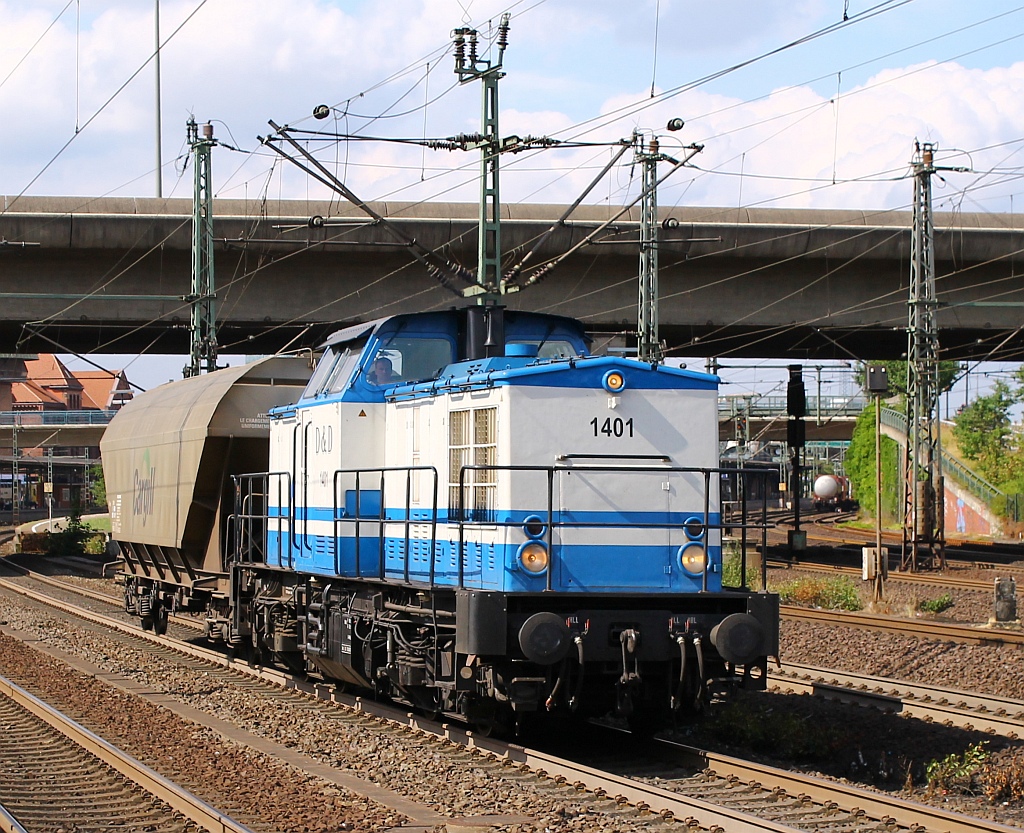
<point x="410" y="359"/>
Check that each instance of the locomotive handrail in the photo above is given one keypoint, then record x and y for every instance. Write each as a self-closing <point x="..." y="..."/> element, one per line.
<point x="706" y="472"/>
<point x="381" y="519"/>
<point x="664" y="457"/>
<point x="249" y="488"/>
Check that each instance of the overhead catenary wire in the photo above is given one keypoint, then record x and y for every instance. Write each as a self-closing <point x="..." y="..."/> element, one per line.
<point x="102" y="107"/>
<point x="748" y="174"/>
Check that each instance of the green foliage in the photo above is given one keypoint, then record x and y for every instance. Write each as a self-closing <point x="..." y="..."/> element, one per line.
<point x="98" y="485"/>
<point x="71" y="539"/>
<point x="859" y="464"/>
<point x="983" y="426"/>
<point x="835" y="593"/>
<point x="732" y="567"/>
<point x="95" y="544"/>
<point x="956" y="773"/>
<point x="984" y="433"/>
<point x="943" y="602"/>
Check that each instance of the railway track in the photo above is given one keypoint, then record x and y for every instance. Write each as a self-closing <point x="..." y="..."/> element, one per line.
<point x="960" y="554"/>
<point x="982" y="712"/>
<point x="930" y="629"/>
<point x="950" y="580"/>
<point x="61" y="776"/>
<point x="698" y="794"/>
<point x="999" y="715"/>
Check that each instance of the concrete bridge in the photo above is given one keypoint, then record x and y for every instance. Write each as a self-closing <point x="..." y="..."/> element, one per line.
<point x="110" y="275"/>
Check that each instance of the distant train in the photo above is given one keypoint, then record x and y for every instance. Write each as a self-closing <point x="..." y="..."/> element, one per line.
<point x="833" y="492"/>
<point x="461" y="510"/>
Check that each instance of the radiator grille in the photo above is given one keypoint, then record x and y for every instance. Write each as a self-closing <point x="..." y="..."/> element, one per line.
<point x="472" y="440"/>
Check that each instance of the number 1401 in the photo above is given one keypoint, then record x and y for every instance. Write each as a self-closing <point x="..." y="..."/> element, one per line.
<point x="616" y="427"/>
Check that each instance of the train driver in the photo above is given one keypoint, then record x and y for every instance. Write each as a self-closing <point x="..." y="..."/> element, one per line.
<point x="381" y="371"/>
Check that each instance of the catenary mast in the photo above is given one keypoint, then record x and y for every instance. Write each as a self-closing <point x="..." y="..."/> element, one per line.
<point x="203" y="351"/>
<point x="923" y="499"/>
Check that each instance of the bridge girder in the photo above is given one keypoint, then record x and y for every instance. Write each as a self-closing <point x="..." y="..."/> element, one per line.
<point x="784" y="283"/>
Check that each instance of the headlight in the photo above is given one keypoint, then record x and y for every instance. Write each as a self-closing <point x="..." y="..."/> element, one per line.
<point x="694" y="528"/>
<point x="693" y="559"/>
<point x="613" y="381"/>
<point x="534" y="527"/>
<point x="533" y="557"/>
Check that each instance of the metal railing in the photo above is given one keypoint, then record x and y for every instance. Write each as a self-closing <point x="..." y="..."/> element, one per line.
<point x="29" y="419"/>
<point x="771" y="406"/>
<point x="974" y="483"/>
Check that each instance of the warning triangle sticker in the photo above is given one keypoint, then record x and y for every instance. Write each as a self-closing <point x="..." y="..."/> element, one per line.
<point x="362" y="413"/>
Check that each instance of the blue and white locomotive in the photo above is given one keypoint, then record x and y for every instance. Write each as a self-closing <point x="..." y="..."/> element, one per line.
<point x="466" y="511"/>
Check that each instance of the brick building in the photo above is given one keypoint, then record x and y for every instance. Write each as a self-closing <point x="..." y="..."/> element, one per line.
<point x="39" y="389"/>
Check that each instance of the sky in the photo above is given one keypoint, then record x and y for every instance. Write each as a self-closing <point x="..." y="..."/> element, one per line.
<point x="801" y="104"/>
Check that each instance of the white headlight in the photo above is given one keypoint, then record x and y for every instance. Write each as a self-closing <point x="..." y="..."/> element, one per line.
<point x="533" y="557"/>
<point x="693" y="559"/>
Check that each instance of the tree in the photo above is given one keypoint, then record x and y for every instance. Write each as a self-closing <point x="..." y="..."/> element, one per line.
<point x="97" y="485"/>
<point x="985" y="436"/>
<point x="983" y="427"/>
<point x="859" y="465"/>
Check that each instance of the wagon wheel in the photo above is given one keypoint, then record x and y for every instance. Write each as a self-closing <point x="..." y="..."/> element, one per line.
<point x="159" y="620"/>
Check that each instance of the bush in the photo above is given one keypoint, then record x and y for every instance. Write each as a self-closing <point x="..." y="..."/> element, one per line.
<point x="943" y="602"/>
<point x="96" y="544"/>
<point x="71" y="539"/>
<point x="839" y="593"/>
<point x="957" y="773"/>
<point x="1003" y="779"/>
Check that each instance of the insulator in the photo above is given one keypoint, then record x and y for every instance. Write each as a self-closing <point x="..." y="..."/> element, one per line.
<point x="460" y="48"/>
<point x="472" y="48"/>
<point x="503" y="32"/>
<point x="463" y="139"/>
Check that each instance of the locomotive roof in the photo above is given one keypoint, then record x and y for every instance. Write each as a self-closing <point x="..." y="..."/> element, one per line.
<point x="451" y="318"/>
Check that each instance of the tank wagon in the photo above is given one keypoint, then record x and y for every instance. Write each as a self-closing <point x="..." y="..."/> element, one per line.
<point x="833" y="493"/>
<point x="468" y="512"/>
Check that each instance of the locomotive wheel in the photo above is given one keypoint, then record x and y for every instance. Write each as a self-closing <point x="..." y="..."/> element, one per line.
<point x="147" y="623"/>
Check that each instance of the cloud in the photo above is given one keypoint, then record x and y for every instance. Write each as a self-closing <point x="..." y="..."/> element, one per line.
<point x="575" y="69"/>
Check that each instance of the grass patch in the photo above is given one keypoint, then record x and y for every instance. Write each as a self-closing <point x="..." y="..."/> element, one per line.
<point x="943" y="602"/>
<point x="732" y="567"/>
<point x="836" y="593"/>
<point x="99" y="523"/>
